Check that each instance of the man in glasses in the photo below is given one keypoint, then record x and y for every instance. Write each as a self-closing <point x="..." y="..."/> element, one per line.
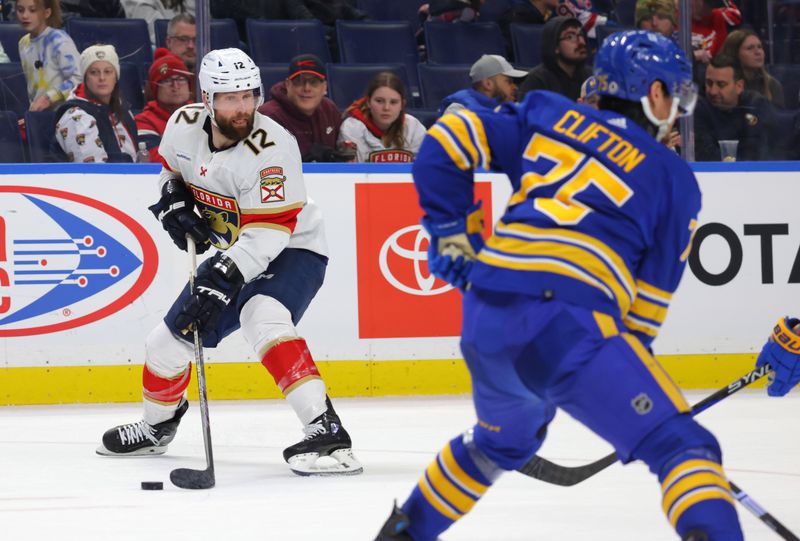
<point x="182" y="39"/>
<point x="564" y="52"/>
<point x="298" y="103"/>
<point x="168" y="86"/>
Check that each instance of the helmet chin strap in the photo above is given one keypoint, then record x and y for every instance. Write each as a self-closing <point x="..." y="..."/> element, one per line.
<point x="662" y="125"/>
<point x="210" y="110"/>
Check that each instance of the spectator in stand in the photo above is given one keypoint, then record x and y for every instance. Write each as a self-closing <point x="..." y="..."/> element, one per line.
<point x="182" y="39"/>
<point x="299" y="105"/>
<point x="745" y="46"/>
<point x="563" y="68"/>
<point x="731" y="113"/>
<point x="493" y="82"/>
<point x="657" y="16"/>
<point x="150" y="10"/>
<point x="48" y="55"/>
<point x="168" y="86"/>
<point x="92" y="8"/>
<point x="710" y="27"/>
<point x="378" y="125"/>
<point x="446" y="11"/>
<point x="527" y="12"/>
<point x="583" y="11"/>
<point x="94" y="125"/>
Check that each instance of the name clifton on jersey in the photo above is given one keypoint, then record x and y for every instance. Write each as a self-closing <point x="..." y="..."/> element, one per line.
<point x="618" y="150"/>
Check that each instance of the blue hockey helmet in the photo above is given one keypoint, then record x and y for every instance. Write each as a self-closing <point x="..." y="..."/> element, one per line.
<point x="628" y="63"/>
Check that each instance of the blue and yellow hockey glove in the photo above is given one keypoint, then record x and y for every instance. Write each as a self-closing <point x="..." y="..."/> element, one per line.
<point x="782" y="351"/>
<point x="454" y="246"/>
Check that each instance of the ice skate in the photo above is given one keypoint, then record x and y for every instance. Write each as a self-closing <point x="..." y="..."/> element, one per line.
<point x="326" y="449"/>
<point x="141" y="438"/>
<point x="395" y="526"/>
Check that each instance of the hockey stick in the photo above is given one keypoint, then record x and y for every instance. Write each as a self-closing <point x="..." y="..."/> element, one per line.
<point x="187" y="477"/>
<point x="566" y="476"/>
<point x="751" y="505"/>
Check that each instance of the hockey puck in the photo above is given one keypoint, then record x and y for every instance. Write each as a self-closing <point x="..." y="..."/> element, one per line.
<point x="152" y="485"/>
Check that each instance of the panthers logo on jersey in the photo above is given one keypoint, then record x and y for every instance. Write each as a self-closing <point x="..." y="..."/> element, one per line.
<point x="221" y="213"/>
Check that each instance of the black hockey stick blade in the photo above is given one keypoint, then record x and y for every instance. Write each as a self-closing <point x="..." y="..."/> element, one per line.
<point x="193" y="479"/>
<point x="567" y="476"/>
<point x="751" y="505"/>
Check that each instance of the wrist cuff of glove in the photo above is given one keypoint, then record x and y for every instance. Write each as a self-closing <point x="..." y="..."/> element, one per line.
<point x="226" y="269"/>
<point x="470" y="223"/>
<point x="783" y="335"/>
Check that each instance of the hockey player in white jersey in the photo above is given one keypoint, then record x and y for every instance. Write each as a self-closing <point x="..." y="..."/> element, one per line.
<point x="242" y="171"/>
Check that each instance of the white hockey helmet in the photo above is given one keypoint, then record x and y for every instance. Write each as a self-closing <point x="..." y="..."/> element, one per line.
<point x="228" y="70"/>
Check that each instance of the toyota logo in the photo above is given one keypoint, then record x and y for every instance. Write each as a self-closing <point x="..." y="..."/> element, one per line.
<point x="424" y="285"/>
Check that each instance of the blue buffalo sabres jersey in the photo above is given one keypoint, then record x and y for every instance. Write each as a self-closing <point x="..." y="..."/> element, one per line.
<point x="601" y="215"/>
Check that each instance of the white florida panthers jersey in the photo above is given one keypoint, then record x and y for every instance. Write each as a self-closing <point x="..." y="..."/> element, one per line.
<point x="252" y="194"/>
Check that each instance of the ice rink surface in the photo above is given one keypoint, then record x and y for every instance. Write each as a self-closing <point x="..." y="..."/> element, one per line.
<point x="54" y="486"/>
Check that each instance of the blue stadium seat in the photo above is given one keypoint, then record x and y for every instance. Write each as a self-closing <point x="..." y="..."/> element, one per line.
<point x="131" y="85"/>
<point x="462" y="43"/>
<point x="130" y="37"/>
<point x="492" y="10"/>
<point x="40" y="129"/>
<point x="789" y="76"/>
<point x="369" y="42"/>
<point x="13" y="89"/>
<point x="348" y="82"/>
<point x="280" y="41"/>
<point x="10" y="34"/>
<point x="392" y="10"/>
<point x="224" y="33"/>
<point x="426" y="116"/>
<point x="438" y="82"/>
<point x="527" y="42"/>
<point x="10" y="139"/>
<point x="271" y="74"/>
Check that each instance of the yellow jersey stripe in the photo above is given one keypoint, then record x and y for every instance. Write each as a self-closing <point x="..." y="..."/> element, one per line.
<point x="658" y="373"/>
<point x="690" y="483"/>
<point x="599" y="248"/>
<point x="580" y="257"/>
<point x="450" y="147"/>
<point x="640" y="326"/>
<point x="457" y="474"/>
<point x="690" y="466"/>
<point x="703" y="494"/>
<point x="606" y="324"/>
<point x="654" y="293"/>
<point x="649" y="310"/>
<point x="434" y="500"/>
<point x="459" y="129"/>
<point x="450" y="492"/>
<point x="556" y="267"/>
<point x="476" y="127"/>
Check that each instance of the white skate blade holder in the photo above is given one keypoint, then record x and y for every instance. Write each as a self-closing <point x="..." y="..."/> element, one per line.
<point x="145" y="451"/>
<point x="339" y="462"/>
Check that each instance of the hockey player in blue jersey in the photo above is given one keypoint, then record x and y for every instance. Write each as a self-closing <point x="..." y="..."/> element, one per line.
<point x="562" y="302"/>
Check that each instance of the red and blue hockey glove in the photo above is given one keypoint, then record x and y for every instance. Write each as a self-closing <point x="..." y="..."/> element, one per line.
<point x="175" y="211"/>
<point x="454" y="246"/>
<point x="215" y="286"/>
<point x="782" y="352"/>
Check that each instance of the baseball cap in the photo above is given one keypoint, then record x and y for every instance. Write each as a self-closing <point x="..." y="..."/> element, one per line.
<point x="166" y="65"/>
<point x="490" y="65"/>
<point x="306" y="64"/>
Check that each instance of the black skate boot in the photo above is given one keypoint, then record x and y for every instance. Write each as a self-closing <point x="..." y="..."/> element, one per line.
<point x="695" y="535"/>
<point x="325" y="437"/>
<point x="136" y="439"/>
<point x="395" y="526"/>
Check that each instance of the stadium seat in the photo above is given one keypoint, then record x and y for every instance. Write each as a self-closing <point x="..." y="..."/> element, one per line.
<point x="438" y="82"/>
<point x="462" y="43"/>
<point x="789" y="76"/>
<point x="365" y="42"/>
<point x="13" y="89"/>
<point x="492" y="10"/>
<point x="130" y="37"/>
<point x="224" y="33"/>
<point x="280" y="41"/>
<point x="10" y="140"/>
<point x="40" y="129"/>
<point x="10" y="34"/>
<point x="527" y="42"/>
<point x="131" y="85"/>
<point x="348" y="82"/>
<point x="426" y="116"/>
<point x="392" y="10"/>
<point x="271" y="74"/>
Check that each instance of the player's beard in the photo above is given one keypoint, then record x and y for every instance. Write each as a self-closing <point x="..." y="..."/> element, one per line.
<point x="233" y="133"/>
